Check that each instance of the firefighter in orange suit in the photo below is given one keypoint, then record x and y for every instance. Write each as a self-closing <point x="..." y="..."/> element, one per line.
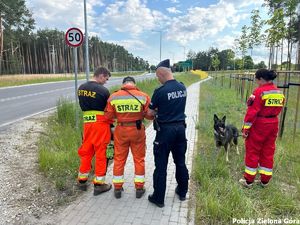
<point x="96" y="131"/>
<point x="129" y="105"/>
<point x="261" y="127"/>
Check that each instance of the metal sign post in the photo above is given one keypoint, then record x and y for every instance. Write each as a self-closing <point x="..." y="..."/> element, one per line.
<point x="74" y="38"/>
<point x="76" y="85"/>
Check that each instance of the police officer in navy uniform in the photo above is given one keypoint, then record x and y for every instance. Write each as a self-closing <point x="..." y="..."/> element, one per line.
<point x="167" y="107"/>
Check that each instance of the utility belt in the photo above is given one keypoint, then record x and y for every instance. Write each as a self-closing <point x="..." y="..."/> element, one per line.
<point x="272" y="116"/>
<point x="137" y="124"/>
<point x="157" y="125"/>
<point x="173" y="123"/>
<point x="91" y="116"/>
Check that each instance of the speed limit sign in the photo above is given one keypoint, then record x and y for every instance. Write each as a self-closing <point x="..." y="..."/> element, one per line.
<point x="74" y="37"/>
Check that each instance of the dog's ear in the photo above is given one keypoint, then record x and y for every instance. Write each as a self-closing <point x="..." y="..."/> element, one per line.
<point x="223" y="119"/>
<point x="216" y="118"/>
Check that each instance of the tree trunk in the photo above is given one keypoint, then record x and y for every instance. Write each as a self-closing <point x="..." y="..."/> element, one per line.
<point x="270" y="56"/>
<point x="29" y="59"/>
<point x="21" y="58"/>
<point x="281" y="56"/>
<point x="288" y="55"/>
<point x="291" y="52"/>
<point x="35" y="63"/>
<point x="298" y="61"/>
<point x="276" y="57"/>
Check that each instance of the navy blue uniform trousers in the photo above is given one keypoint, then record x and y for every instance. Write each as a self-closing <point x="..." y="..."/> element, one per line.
<point x="170" y="138"/>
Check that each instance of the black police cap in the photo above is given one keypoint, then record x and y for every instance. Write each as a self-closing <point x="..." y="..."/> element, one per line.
<point x="128" y="79"/>
<point x="164" y="63"/>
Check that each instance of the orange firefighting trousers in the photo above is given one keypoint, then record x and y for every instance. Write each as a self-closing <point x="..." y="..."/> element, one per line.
<point x="260" y="149"/>
<point x="96" y="136"/>
<point x="126" y="137"/>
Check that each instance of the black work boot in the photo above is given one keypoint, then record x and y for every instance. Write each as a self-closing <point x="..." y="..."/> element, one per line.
<point x="140" y="192"/>
<point x="154" y="201"/>
<point x="82" y="185"/>
<point x="181" y="198"/>
<point x="118" y="193"/>
<point x="101" y="188"/>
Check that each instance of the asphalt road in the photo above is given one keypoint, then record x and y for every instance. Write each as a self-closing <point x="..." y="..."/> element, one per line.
<point x="20" y="102"/>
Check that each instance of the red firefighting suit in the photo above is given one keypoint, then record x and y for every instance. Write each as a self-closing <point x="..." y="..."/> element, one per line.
<point x="96" y="131"/>
<point x="261" y="124"/>
<point x="127" y="109"/>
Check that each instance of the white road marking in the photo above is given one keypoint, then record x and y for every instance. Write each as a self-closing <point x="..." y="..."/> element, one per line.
<point x="34" y="94"/>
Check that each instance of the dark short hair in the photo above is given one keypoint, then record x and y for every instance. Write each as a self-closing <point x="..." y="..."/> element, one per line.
<point x="265" y="74"/>
<point x="128" y="79"/>
<point x="101" y="70"/>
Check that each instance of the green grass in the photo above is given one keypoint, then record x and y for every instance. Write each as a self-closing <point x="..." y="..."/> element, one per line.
<point x="58" y="157"/>
<point x="57" y="148"/>
<point x="219" y="198"/>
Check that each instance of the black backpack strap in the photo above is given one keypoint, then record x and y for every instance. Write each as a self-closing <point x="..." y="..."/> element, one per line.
<point x="134" y="97"/>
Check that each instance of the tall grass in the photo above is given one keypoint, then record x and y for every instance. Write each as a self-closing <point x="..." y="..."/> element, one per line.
<point x="219" y="195"/>
<point x="58" y="147"/>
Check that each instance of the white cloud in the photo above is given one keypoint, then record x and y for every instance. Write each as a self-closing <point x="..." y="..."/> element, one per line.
<point x="132" y="44"/>
<point x="61" y="15"/>
<point x="132" y="17"/>
<point x="225" y="42"/>
<point x="173" y="10"/>
<point x="243" y="3"/>
<point x="259" y="53"/>
<point x="200" y="23"/>
<point x="96" y="2"/>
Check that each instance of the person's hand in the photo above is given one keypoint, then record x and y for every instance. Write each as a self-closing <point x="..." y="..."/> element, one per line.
<point x="250" y="100"/>
<point x="110" y="151"/>
<point x="245" y="133"/>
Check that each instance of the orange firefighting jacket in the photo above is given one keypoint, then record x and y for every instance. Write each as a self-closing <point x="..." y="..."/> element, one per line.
<point x="125" y="107"/>
<point x="265" y="103"/>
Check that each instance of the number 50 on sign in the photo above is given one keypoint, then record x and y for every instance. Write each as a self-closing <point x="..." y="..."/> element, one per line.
<point x="74" y="37"/>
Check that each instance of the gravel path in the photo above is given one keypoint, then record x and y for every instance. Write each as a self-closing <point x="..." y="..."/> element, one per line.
<point x="25" y="196"/>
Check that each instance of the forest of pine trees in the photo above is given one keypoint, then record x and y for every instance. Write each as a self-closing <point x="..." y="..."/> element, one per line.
<point x="45" y="51"/>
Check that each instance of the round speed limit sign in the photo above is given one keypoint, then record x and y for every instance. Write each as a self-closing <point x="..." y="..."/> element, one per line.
<point x="74" y="37"/>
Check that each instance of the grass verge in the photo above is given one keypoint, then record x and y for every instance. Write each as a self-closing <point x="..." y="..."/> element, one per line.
<point x="58" y="146"/>
<point x="16" y="80"/>
<point x="219" y="198"/>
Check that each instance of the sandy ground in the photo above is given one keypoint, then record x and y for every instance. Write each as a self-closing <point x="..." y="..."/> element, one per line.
<point x="26" y="196"/>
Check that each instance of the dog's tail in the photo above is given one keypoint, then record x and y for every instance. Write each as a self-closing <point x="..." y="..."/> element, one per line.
<point x="235" y="133"/>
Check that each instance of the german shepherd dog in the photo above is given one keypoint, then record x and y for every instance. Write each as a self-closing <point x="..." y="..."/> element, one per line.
<point x="225" y="135"/>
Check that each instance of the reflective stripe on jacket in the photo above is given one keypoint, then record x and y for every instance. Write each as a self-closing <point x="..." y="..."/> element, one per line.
<point x="265" y="104"/>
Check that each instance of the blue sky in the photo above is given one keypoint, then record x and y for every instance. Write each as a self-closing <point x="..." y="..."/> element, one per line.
<point x="184" y="24"/>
